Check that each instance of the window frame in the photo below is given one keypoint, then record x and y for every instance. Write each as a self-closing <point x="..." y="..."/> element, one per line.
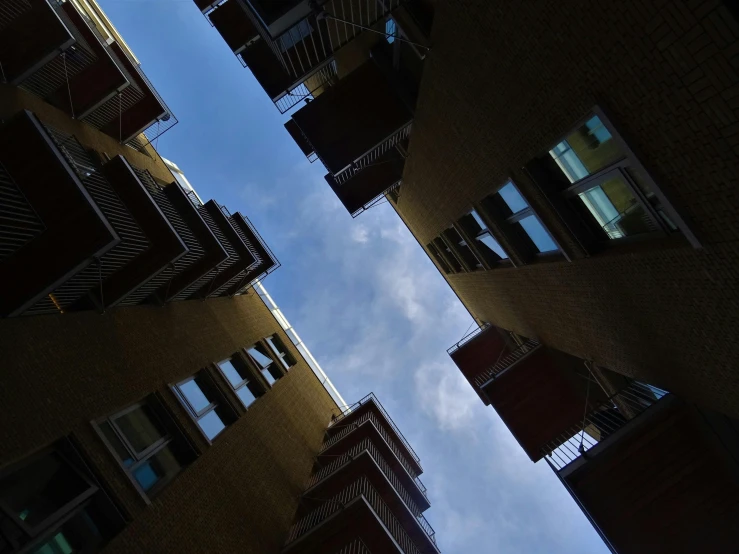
<point x="196" y="416"/>
<point x="628" y="160"/>
<point x="280" y="355"/>
<point x="482" y="256"/>
<point x="455" y="250"/>
<point x="150" y="451"/>
<point x="260" y="369"/>
<point x="245" y="381"/>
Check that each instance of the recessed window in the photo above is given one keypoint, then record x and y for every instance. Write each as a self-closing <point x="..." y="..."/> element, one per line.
<point x="459" y="247"/>
<point x="204" y="403"/>
<point x="280" y="351"/>
<point x="448" y="255"/>
<point x="486" y="244"/>
<point x="148" y="444"/>
<point x="51" y="503"/>
<point x="241" y="380"/>
<point x="606" y="184"/>
<point x="439" y="259"/>
<point x="259" y="355"/>
<point x="508" y="203"/>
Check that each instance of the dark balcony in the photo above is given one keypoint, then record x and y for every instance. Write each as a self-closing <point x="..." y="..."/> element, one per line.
<point x="369" y="420"/>
<point x="358" y="512"/>
<point x="54" y="51"/>
<point x="266" y="260"/>
<point x="654" y="474"/>
<point x="51" y="228"/>
<point x="365" y="459"/>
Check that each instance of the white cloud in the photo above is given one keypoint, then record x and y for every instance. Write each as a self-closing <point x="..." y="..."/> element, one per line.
<point x="445" y="395"/>
<point x="360" y="234"/>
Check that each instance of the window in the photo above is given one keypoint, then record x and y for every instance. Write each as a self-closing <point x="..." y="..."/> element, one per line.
<point x="608" y="187"/>
<point x="461" y="250"/>
<point x="239" y="377"/>
<point x="279" y="350"/>
<point x="295" y="34"/>
<point x="199" y="395"/>
<point x="390" y="30"/>
<point x="448" y="255"/>
<point x="259" y="355"/>
<point x="508" y="203"/>
<point x="147" y="443"/>
<point x="487" y="246"/>
<point x="50" y="503"/>
<point x="437" y="256"/>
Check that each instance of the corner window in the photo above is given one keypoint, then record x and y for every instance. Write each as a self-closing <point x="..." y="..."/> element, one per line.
<point x="259" y="355"/>
<point x="607" y="185"/>
<point x="204" y="403"/>
<point x="241" y="380"/>
<point x="148" y="444"/>
<point x="51" y="503"/>
<point x="280" y="351"/>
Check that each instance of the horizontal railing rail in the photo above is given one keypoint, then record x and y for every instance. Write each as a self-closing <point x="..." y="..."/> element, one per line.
<point x="367" y="446"/>
<point x="371" y="156"/>
<point x="601" y="422"/>
<point x="19" y="222"/>
<point x="357" y="546"/>
<point x="467" y="338"/>
<point x="505" y="362"/>
<point x="360" y="488"/>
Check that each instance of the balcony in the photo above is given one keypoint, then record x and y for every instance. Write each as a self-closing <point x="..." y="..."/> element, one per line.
<point x="365" y="459"/>
<point x="653" y="473"/>
<point x="266" y="260"/>
<point x="358" y="512"/>
<point x="57" y="52"/>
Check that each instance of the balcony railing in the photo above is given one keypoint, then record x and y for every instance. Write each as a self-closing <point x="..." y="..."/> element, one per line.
<point x="360" y="488"/>
<point x="601" y="422"/>
<point x="467" y="338"/>
<point x="19" y="222"/>
<point x="366" y="445"/>
<point x="505" y="362"/>
<point x="355" y="547"/>
<point x="275" y="263"/>
<point x="374" y="154"/>
<point x="322" y="77"/>
<point x="370" y="417"/>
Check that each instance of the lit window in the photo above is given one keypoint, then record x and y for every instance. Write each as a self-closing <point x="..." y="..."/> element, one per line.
<point x="148" y="444"/>
<point x="259" y="355"/>
<point x="204" y="404"/>
<point x="239" y="377"/>
<point x="51" y="503"/>
<point x="279" y="350"/>
<point x="611" y="190"/>
<point x="390" y="29"/>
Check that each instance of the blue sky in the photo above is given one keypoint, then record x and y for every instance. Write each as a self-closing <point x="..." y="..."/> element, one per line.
<point x="369" y="304"/>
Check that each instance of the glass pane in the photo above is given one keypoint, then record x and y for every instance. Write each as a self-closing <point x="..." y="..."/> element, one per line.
<point x="231" y="373"/>
<point x="195" y="395"/>
<point x="390" y="30"/>
<point x="141" y="427"/>
<point x="480" y="223"/>
<point x="211" y="424"/>
<point x="268" y="375"/>
<point x="246" y="396"/>
<point x="587" y="150"/>
<point x="638" y="178"/>
<point x="276" y="345"/>
<point x="615" y="208"/>
<point x="513" y="198"/>
<point x="259" y="355"/>
<point x="78" y="534"/>
<point x="36" y="491"/>
<point x="160" y="465"/>
<point x="536" y="232"/>
<point x="489" y="242"/>
<point x="58" y="544"/>
<point x="118" y="447"/>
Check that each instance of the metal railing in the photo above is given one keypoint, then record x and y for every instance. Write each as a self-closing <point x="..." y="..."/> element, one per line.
<point x="373" y="154"/>
<point x="360" y="488"/>
<point x="372" y="398"/>
<point x="505" y="362"/>
<point x="273" y="266"/>
<point x="19" y="222"/>
<point x="357" y="546"/>
<point x="467" y="338"/>
<point x="601" y="422"/>
<point x="323" y="77"/>
<point x="348" y="457"/>
<point x="11" y="9"/>
<point x="370" y="417"/>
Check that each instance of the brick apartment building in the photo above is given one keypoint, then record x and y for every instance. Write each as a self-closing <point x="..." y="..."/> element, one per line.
<point x="571" y="169"/>
<point x="151" y="400"/>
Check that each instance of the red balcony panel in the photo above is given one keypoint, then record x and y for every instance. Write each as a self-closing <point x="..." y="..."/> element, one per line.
<point x="166" y="244"/>
<point x="479" y="353"/>
<point x="540" y="397"/>
<point x="352" y="117"/>
<point x="664" y="485"/>
<point x="143" y="113"/>
<point x="76" y="229"/>
<point x="234" y="24"/>
<point x="96" y="83"/>
<point x="357" y="520"/>
<point x="215" y="253"/>
<point x="369" y="183"/>
<point x="32" y="38"/>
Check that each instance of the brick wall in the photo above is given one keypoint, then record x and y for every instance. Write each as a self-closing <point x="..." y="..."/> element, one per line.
<point x="240" y="495"/>
<point x="503" y="83"/>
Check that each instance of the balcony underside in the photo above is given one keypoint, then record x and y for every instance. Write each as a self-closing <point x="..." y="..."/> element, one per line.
<point x="668" y="484"/>
<point x="266" y="261"/>
<point x="75" y="228"/>
<point x="479" y="353"/>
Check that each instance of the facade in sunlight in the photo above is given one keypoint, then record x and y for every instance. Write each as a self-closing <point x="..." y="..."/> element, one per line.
<point x="153" y="400"/>
<point x="572" y="175"/>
